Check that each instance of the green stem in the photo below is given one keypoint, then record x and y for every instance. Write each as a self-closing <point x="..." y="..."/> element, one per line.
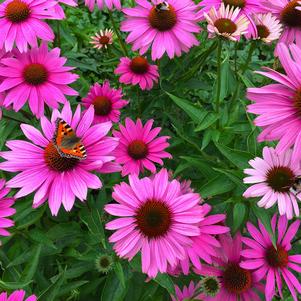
<point x="58" y="34"/>
<point x="219" y="76"/>
<point x="122" y="45"/>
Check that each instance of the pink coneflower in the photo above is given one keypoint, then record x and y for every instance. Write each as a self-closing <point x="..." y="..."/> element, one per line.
<point x="205" y="246"/>
<point x="5" y="209"/>
<point x="226" y="22"/>
<point x="279" y="105"/>
<point x="139" y="148"/>
<point x="290" y="17"/>
<point x="166" y="26"/>
<point x="36" y="76"/>
<point x="20" y="23"/>
<point x="270" y="263"/>
<point x="187" y="293"/>
<point x="273" y="177"/>
<point x="137" y="71"/>
<point x="17" y="296"/>
<point x="102" y="39"/>
<point x="268" y="28"/>
<point x="49" y="169"/>
<point x="156" y="218"/>
<point x="110" y="4"/>
<point x="236" y="282"/>
<point x="107" y="102"/>
<point x="59" y="11"/>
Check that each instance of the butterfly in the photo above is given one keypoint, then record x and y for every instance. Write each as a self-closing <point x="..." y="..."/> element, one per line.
<point x="67" y="143"/>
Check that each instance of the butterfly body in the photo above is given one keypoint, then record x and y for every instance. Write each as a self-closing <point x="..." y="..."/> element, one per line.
<point x="67" y="143"/>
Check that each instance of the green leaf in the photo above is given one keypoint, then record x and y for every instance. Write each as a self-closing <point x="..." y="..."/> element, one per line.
<point x="237" y="157"/>
<point x="113" y="289"/>
<point x="32" y="265"/>
<point x="218" y="185"/>
<point x="119" y="272"/>
<point x="208" y="120"/>
<point x="165" y="281"/>
<point x="239" y="212"/>
<point x="234" y="176"/>
<point x="13" y="285"/>
<point x="195" y="113"/>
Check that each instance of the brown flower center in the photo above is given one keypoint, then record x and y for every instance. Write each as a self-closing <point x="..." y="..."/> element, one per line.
<point x="102" y="105"/>
<point x="290" y="16"/>
<point x="17" y="11"/>
<point x="225" y="25"/>
<point x="154" y="218"/>
<point x="277" y="258"/>
<point x="104" y="40"/>
<point x="263" y="31"/>
<point x="280" y="178"/>
<point x="235" y="3"/>
<point x="162" y="17"/>
<point x="139" y="65"/>
<point x="137" y="149"/>
<point x="35" y="74"/>
<point x="56" y="162"/>
<point x="236" y="279"/>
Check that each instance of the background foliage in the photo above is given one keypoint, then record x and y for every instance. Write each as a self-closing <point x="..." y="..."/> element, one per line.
<point x="54" y="257"/>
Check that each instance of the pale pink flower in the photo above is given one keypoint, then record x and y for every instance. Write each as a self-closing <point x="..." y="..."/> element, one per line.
<point x="102" y="39"/>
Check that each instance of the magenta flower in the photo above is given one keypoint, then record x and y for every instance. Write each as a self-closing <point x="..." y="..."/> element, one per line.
<point x="205" y="246"/>
<point x="156" y="219"/>
<point x="137" y="71"/>
<point x="236" y="282"/>
<point x="20" y="23"/>
<point x="59" y="11"/>
<point x="290" y="16"/>
<point x="42" y="168"/>
<point x="166" y="26"/>
<point x="5" y="209"/>
<point x="17" y="296"/>
<point x="187" y="293"/>
<point x="226" y="22"/>
<point x="270" y="263"/>
<point x="139" y="148"/>
<point x="107" y="102"/>
<point x="273" y="177"/>
<point x="279" y="105"/>
<point x="36" y="76"/>
<point x="110" y="4"/>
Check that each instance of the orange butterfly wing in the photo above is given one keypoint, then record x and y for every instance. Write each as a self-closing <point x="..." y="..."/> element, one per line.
<point x="67" y="143"/>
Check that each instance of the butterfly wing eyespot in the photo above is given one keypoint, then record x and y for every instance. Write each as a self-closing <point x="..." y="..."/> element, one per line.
<point x="67" y="143"/>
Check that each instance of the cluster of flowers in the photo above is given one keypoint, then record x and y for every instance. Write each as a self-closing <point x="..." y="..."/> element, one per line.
<point x="161" y="217"/>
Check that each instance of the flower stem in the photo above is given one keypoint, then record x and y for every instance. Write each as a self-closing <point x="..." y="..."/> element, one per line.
<point x="121" y="42"/>
<point x="219" y="75"/>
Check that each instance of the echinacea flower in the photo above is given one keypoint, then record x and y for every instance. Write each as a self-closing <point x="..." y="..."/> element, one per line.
<point x="107" y="102"/>
<point x="43" y="169"/>
<point x="17" y="296"/>
<point x="290" y="16"/>
<point x="187" y="292"/>
<point x="137" y="71"/>
<point x="272" y="178"/>
<point x="270" y="263"/>
<point x="104" y="263"/>
<point x="20" y="23"/>
<point x="59" y="11"/>
<point x="226" y="22"/>
<point x="102" y="39"/>
<point x="268" y="28"/>
<point x="139" y="148"/>
<point x="279" y="105"/>
<point x="154" y="218"/>
<point x="205" y="246"/>
<point x="37" y="76"/>
<point x="110" y="4"/>
<point x="236" y="283"/>
<point x="165" y="26"/>
<point x="5" y="209"/>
